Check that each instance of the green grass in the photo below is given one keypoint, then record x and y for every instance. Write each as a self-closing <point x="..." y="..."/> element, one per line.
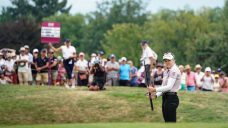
<point x="127" y="125"/>
<point x="28" y="105"/>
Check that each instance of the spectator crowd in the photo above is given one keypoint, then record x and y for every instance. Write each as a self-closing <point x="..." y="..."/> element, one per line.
<point x="42" y="67"/>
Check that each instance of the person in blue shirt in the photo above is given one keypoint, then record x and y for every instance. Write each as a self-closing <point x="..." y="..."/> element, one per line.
<point x="124" y="72"/>
<point x="133" y="77"/>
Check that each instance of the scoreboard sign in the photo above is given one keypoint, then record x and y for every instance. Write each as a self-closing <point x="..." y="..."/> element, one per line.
<point x="50" y="32"/>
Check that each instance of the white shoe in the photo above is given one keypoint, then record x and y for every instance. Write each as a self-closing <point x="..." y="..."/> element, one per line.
<point x="67" y="86"/>
<point x="73" y="87"/>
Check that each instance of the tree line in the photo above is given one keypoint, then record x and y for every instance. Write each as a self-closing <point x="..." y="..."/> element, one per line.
<point x="117" y="26"/>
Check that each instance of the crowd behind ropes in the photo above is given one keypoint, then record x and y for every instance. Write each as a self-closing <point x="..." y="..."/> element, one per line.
<point x="43" y="68"/>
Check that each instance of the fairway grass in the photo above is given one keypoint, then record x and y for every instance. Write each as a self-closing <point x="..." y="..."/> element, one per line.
<point x="126" y="125"/>
<point x="28" y="105"/>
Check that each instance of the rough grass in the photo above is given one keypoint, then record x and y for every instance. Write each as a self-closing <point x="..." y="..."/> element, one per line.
<point x="42" y="105"/>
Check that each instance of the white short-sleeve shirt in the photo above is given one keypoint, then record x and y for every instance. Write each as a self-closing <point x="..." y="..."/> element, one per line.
<point x="82" y="65"/>
<point x="68" y="51"/>
<point x="22" y="68"/>
<point x="147" y="53"/>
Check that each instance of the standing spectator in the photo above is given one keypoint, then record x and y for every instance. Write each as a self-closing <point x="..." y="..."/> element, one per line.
<point x="133" y="77"/>
<point x="158" y="75"/>
<point x="190" y="79"/>
<point x="42" y="68"/>
<point x="199" y="75"/>
<point x="22" y="63"/>
<point x="29" y="64"/>
<point x="91" y="63"/>
<point x="2" y="60"/>
<point x="33" y="67"/>
<point x="112" y="68"/>
<point x="217" y="87"/>
<point x="208" y="80"/>
<point x="124" y="73"/>
<point x="183" y="78"/>
<point x="223" y="81"/>
<point x="83" y="69"/>
<point x="100" y="58"/>
<point x="69" y="53"/>
<point x="53" y="67"/>
<point x="9" y="67"/>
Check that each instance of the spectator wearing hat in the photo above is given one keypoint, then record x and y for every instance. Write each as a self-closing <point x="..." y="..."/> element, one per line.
<point x="69" y="53"/>
<point x="9" y="68"/>
<point x="22" y="64"/>
<point x="199" y="75"/>
<point x="133" y="77"/>
<point x="100" y="57"/>
<point x="124" y="72"/>
<point x="33" y="67"/>
<point x="208" y="80"/>
<point x="183" y="78"/>
<point x="158" y="75"/>
<point x="91" y="63"/>
<point x="27" y="52"/>
<point x="190" y="79"/>
<point x="83" y="69"/>
<point x="92" y="59"/>
<point x="223" y="81"/>
<point x="216" y="86"/>
<point x="42" y="68"/>
<point x="52" y="67"/>
<point x="112" y="69"/>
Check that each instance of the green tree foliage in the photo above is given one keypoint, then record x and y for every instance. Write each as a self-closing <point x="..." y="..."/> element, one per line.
<point x="20" y="33"/>
<point x="34" y="8"/>
<point x="124" y="40"/>
<point x="110" y="13"/>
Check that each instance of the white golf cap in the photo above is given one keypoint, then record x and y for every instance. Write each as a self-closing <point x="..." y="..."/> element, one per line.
<point x="81" y="54"/>
<point x="207" y="69"/>
<point x="35" y="50"/>
<point x="26" y="46"/>
<point x="93" y="55"/>
<point x="198" y="66"/>
<point x="168" y="56"/>
<point x="22" y="49"/>
<point x="124" y="59"/>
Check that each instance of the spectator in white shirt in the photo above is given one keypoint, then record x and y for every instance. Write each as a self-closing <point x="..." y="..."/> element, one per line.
<point x="30" y="79"/>
<point x="208" y="80"/>
<point x="198" y="76"/>
<point x="22" y="62"/>
<point x="83" y="70"/>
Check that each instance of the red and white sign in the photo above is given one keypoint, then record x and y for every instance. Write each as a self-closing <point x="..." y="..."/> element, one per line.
<point x="50" y="32"/>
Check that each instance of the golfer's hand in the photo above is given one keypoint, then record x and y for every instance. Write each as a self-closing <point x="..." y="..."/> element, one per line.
<point x="151" y="89"/>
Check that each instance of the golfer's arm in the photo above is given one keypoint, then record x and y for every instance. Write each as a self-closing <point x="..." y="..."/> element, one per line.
<point x="171" y="82"/>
